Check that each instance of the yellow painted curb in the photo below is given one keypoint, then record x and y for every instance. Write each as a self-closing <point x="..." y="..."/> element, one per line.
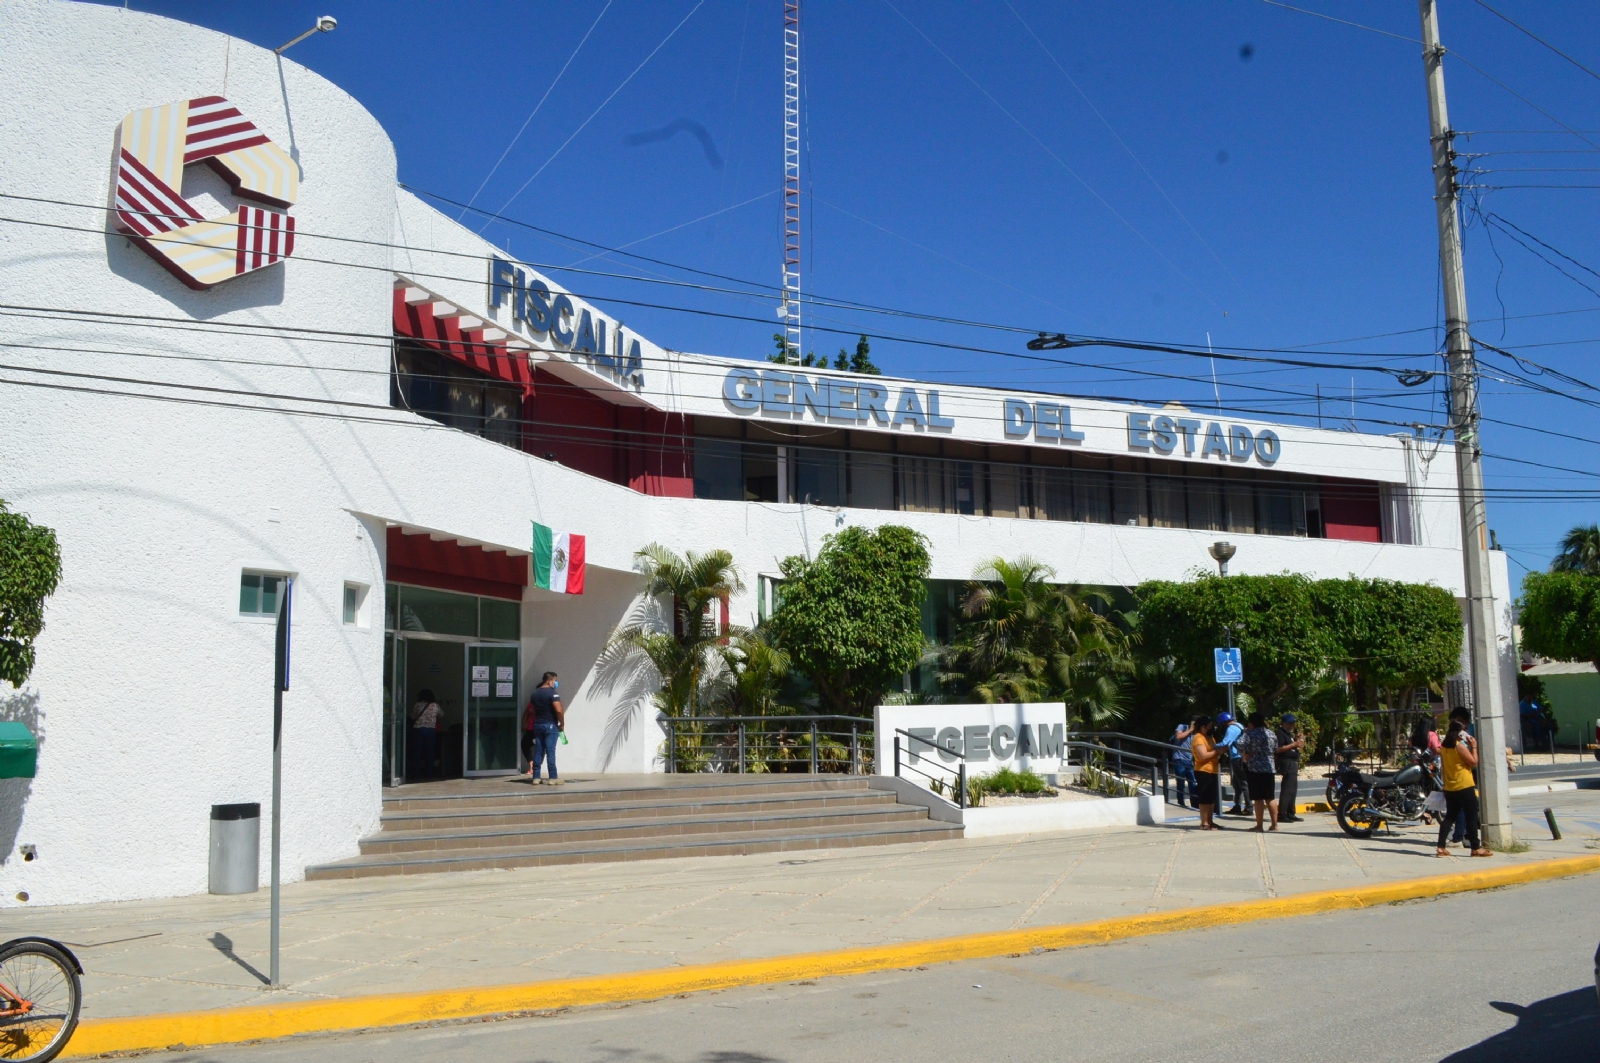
<point x="232" y="1025"/>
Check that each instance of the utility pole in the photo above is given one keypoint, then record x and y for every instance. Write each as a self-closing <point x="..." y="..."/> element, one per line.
<point x="1485" y="653"/>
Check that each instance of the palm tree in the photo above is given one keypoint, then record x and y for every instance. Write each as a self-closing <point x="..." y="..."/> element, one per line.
<point x="667" y="649"/>
<point x="696" y="584"/>
<point x="1580" y="551"/>
<point x="1027" y="639"/>
<point x="753" y="676"/>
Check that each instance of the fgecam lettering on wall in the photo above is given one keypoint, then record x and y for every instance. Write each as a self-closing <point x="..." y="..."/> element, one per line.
<point x="780" y="393"/>
<point x="553" y="318"/>
<point x="985" y="738"/>
<point x="1235" y="442"/>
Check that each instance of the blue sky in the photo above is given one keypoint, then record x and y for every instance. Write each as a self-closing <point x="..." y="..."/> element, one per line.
<point x="1148" y="170"/>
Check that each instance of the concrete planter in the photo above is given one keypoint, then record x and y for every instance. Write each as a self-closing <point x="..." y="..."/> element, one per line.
<point x="1046" y="815"/>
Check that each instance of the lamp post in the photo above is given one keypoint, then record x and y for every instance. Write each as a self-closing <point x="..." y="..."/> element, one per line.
<point x="1222" y="553"/>
<point x="325" y="24"/>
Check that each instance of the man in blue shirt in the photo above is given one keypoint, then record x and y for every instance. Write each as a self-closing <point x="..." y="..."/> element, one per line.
<point x="1230" y="742"/>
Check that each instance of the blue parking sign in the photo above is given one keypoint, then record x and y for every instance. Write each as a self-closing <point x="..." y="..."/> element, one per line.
<point x="1230" y="665"/>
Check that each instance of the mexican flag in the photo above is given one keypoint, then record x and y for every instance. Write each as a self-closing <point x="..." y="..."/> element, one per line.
<point x="557" y="560"/>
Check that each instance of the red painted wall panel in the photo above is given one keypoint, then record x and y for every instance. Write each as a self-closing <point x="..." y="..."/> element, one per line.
<point x="649" y="451"/>
<point x="1351" y="510"/>
<point x="449" y="566"/>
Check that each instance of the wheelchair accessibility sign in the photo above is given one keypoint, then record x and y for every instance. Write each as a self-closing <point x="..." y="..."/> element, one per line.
<point x="1230" y="665"/>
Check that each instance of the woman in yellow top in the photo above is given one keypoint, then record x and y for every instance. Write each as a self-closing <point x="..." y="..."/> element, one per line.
<point x="1206" y="758"/>
<point x="1458" y="756"/>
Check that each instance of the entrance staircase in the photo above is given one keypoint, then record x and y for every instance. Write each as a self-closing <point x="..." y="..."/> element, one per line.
<point x="477" y="825"/>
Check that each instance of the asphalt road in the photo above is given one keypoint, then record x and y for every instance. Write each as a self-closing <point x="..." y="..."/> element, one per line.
<point x="1501" y="976"/>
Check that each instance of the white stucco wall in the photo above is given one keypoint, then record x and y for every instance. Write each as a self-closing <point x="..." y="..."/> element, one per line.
<point x="152" y="696"/>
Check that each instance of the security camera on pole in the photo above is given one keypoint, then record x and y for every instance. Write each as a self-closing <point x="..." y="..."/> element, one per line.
<point x="1487" y="710"/>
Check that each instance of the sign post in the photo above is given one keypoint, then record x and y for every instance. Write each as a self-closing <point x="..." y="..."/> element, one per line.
<point x="1230" y="668"/>
<point x="280" y="683"/>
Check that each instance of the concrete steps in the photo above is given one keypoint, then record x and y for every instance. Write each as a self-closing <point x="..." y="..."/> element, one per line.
<point x="514" y="825"/>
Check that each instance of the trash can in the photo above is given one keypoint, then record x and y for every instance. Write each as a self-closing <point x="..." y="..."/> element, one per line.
<point x="235" y="848"/>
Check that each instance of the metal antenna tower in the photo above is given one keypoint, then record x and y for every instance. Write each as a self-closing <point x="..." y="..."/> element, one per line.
<point x="791" y="179"/>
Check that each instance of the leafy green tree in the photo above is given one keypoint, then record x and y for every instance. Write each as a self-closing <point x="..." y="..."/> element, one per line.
<point x="858" y="362"/>
<point x="1580" y="551"/>
<point x="1560" y="614"/>
<point x="1392" y="636"/>
<point x="1026" y="639"/>
<point x="851" y="619"/>
<point x="1272" y="619"/>
<point x="30" y="570"/>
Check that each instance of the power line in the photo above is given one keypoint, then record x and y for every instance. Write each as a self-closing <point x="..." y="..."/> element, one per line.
<point x="600" y="391"/>
<point x="1124" y="144"/>
<point x="586" y="434"/>
<point x="1134" y="345"/>
<point x="1048" y="151"/>
<point x="585" y="124"/>
<point x="536" y="107"/>
<point x="1343" y="22"/>
<point x="1541" y="40"/>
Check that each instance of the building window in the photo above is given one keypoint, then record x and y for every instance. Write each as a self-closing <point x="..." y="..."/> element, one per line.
<point x="259" y="593"/>
<point x="426" y="610"/>
<point x="451" y="393"/>
<point x="355" y="604"/>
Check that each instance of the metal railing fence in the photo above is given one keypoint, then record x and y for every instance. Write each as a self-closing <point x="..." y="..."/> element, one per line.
<point x="1111" y="743"/>
<point x="1118" y="762"/>
<point x="818" y="744"/>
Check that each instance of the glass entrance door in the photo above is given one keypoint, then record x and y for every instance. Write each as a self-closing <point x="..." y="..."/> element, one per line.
<point x="490" y="734"/>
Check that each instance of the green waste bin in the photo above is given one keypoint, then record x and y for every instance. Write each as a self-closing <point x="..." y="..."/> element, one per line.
<point x="19" y="751"/>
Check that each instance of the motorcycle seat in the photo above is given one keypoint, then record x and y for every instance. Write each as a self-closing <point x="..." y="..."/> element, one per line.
<point x="1384" y="780"/>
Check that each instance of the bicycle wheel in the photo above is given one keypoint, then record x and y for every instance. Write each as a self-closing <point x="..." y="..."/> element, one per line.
<point x="40" y="996"/>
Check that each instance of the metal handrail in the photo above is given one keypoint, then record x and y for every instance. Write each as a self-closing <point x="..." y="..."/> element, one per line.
<point x="1162" y="761"/>
<point x="1151" y="762"/>
<point x="782" y="723"/>
<point x="960" y="770"/>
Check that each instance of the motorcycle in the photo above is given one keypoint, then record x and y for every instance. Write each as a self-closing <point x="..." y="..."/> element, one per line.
<point x="1388" y="798"/>
<point x="1345" y="778"/>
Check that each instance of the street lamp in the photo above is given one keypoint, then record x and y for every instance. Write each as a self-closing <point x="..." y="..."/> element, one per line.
<point x="1221" y="553"/>
<point x="325" y="24"/>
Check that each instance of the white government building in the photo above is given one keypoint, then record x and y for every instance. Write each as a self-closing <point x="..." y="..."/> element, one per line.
<point x="235" y="351"/>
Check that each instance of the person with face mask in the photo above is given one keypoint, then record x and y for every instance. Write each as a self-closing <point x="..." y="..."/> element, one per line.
<point x="545" y="718"/>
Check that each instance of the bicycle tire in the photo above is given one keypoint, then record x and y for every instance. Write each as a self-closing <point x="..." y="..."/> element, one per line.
<point x="47" y="977"/>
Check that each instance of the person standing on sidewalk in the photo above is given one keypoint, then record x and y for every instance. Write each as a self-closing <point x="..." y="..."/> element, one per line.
<point x="1259" y="750"/>
<point x="1289" y="746"/>
<point x="1232" y="731"/>
<point x="1458" y="757"/>
<point x="1183" y="763"/>
<point x="1207" y="756"/>
<point x="549" y="719"/>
